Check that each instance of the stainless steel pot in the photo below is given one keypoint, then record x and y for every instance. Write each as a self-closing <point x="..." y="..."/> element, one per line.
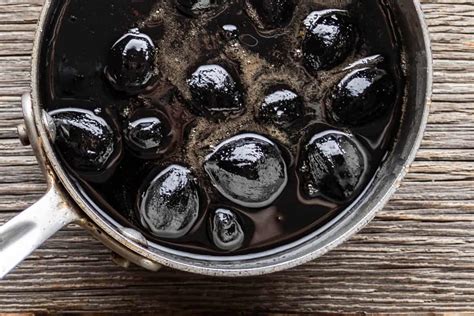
<point x="63" y="205"/>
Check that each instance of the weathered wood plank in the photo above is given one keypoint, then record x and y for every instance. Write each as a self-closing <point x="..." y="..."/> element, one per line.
<point x="417" y="255"/>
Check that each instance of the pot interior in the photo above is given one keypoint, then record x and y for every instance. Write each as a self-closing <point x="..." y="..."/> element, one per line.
<point x="408" y="21"/>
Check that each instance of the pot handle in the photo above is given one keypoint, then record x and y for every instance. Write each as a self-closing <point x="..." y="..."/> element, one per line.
<point x="27" y="231"/>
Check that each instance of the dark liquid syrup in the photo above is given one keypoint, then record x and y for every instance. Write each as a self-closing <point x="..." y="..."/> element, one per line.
<point x="75" y="53"/>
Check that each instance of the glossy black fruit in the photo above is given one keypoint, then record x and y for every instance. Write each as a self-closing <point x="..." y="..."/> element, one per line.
<point x="169" y="205"/>
<point x="248" y="169"/>
<point x="332" y="165"/>
<point x="86" y="142"/>
<point x="214" y="92"/>
<point x="195" y="7"/>
<point x="131" y="63"/>
<point x="147" y="135"/>
<point x="226" y="230"/>
<point x="274" y="13"/>
<point x="282" y="107"/>
<point x="230" y="31"/>
<point x="361" y="96"/>
<point x="330" y="38"/>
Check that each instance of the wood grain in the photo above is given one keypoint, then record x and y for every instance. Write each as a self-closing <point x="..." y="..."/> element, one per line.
<point x="417" y="255"/>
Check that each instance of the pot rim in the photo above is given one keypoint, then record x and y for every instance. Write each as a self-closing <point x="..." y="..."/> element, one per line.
<point x="333" y="235"/>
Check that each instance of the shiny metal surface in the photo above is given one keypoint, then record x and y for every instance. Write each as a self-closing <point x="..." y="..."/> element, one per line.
<point x="130" y="246"/>
<point x="28" y="230"/>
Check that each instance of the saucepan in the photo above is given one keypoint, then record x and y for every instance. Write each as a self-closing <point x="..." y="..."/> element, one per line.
<point x="62" y="204"/>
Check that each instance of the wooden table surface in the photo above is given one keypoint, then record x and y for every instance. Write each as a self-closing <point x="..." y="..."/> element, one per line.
<point x="417" y="255"/>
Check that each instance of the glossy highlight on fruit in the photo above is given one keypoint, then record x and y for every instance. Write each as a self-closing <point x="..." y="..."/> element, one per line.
<point x="226" y="231"/>
<point x="282" y="107"/>
<point x="273" y="13"/>
<point x="330" y="38"/>
<point x="248" y="169"/>
<point x="215" y="92"/>
<point x="332" y="165"/>
<point x="196" y="7"/>
<point x="361" y="96"/>
<point x="131" y="63"/>
<point x="169" y="205"/>
<point x="146" y="135"/>
<point x="85" y="140"/>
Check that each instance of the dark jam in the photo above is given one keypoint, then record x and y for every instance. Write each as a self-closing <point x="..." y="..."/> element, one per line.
<point x="222" y="127"/>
